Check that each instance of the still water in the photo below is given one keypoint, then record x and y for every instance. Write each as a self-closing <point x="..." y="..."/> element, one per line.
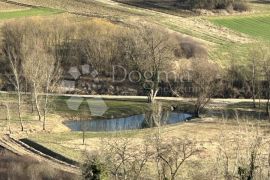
<point x="127" y="123"/>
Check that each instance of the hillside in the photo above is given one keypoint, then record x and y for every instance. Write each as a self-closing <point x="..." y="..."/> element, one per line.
<point x="217" y="39"/>
<point x="220" y="38"/>
<point x="134" y="89"/>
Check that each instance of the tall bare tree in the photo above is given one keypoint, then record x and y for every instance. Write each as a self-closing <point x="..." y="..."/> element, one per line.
<point x="254" y="74"/>
<point x="150" y="53"/>
<point x="255" y="67"/>
<point x="266" y="75"/>
<point x="34" y="58"/>
<point x="11" y="48"/>
<point x="203" y="76"/>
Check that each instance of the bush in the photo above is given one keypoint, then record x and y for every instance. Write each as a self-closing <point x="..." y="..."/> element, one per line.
<point x="93" y="169"/>
<point x="240" y="6"/>
<point x="192" y="49"/>
<point x="237" y="5"/>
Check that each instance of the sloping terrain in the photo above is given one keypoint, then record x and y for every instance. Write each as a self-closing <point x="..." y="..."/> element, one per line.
<point x="9" y="7"/>
<point x="27" y="12"/>
<point x="193" y="26"/>
<point x="257" y="26"/>
<point x="21" y="150"/>
<point x="220" y="41"/>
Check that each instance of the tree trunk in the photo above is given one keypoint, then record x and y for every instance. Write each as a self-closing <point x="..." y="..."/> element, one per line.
<point x="254" y="101"/>
<point x="45" y="111"/>
<point x="198" y="105"/>
<point x="19" y="107"/>
<point x="268" y="102"/>
<point x="259" y="91"/>
<point x="268" y="108"/>
<point x="32" y="102"/>
<point x="253" y="87"/>
<point x="197" y="112"/>
<point x="36" y="103"/>
<point x="8" y="119"/>
<point x="152" y="95"/>
<point x="83" y="137"/>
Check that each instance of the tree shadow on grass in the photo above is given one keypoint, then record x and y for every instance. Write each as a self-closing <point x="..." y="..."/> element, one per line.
<point x="260" y="2"/>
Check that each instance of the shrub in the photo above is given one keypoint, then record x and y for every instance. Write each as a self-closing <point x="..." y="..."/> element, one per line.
<point x="192" y="49"/>
<point x="93" y="169"/>
<point x="237" y="5"/>
<point x="240" y="6"/>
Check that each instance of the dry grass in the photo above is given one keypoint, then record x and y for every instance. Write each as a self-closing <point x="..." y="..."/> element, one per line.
<point x="212" y="134"/>
<point x="205" y="130"/>
<point x="23" y="167"/>
<point x="10" y="7"/>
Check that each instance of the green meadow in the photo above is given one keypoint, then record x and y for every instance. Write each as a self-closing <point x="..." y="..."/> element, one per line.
<point x="256" y="26"/>
<point x="27" y="13"/>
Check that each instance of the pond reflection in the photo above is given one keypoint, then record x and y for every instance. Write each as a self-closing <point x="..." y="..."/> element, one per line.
<point x="147" y="120"/>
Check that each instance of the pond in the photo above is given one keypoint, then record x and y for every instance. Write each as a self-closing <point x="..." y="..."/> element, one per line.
<point x="127" y="123"/>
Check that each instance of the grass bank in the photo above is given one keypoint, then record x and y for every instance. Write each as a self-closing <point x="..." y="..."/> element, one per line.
<point x="28" y="12"/>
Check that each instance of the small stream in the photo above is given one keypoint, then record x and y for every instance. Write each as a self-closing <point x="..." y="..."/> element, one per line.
<point x="127" y="123"/>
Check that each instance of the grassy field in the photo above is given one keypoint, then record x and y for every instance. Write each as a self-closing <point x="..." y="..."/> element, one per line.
<point x="59" y="107"/>
<point x="28" y="12"/>
<point x="255" y="26"/>
<point x="116" y="108"/>
<point x="70" y="144"/>
<point x="61" y="140"/>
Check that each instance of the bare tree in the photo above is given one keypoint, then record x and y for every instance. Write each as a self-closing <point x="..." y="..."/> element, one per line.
<point x="41" y="67"/>
<point x="264" y="63"/>
<point x="125" y="160"/>
<point x="267" y="78"/>
<point x="52" y="74"/>
<point x="171" y="154"/>
<point x="34" y="57"/>
<point x="84" y="115"/>
<point x="99" y="44"/>
<point x="150" y="53"/>
<point x="154" y="117"/>
<point x="203" y="76"/>
<point x="118" y="157"/>
<point x="11" y="49"/>
<point x="254" y="73"/>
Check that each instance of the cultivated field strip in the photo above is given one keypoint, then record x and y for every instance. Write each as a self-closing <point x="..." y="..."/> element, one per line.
<point x="27" y="13"/>
<point x="256" y="26"/>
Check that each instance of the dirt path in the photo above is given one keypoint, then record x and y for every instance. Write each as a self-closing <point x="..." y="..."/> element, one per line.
<point x="116" y="97"/>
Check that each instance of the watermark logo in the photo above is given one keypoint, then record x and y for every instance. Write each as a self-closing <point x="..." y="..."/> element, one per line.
<point x="96" y="104"/>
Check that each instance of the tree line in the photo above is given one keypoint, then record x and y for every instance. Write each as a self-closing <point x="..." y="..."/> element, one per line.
<point x="229" y="5"/>
<point x="36" y="54"/>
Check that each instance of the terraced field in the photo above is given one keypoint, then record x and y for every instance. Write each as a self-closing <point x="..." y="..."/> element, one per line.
<point x="256" y="26"/>
<point x="27" y="12"/>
